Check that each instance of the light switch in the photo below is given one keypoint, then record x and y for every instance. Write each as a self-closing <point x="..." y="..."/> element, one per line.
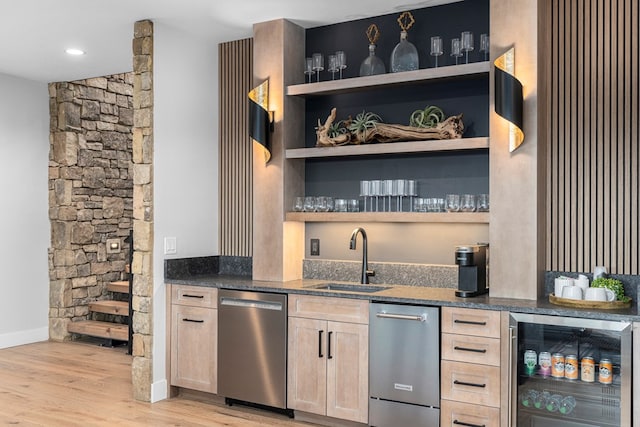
<point x="170" y="246"/>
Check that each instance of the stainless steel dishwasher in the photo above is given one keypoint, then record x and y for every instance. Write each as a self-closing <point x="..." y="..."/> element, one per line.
<point x="252" y="347"/>
<point x="404" y="365"/>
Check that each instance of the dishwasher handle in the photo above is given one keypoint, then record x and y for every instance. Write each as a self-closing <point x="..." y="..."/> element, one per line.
<point x="250" y="303"/>
<point x="419" y="318"/>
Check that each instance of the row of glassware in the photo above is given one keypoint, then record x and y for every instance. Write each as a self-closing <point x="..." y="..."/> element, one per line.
<point x="325" y="204"/>
<point x="337" y="62"/>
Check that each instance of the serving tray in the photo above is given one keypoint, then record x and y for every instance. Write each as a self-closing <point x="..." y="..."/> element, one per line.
<point x="601" y="305"/>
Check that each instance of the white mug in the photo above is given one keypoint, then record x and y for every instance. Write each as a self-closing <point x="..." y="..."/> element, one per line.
<point x="582" y="281"/>
<point x="572" y="292"/>
<point x="599" y="271"/>
<point x="559" y="283"/>
<point x="599" y="294"/>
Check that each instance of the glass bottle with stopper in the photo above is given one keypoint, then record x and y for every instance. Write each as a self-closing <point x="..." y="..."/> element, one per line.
<point x="405" y="55"/>
<point x="372" y="65"/>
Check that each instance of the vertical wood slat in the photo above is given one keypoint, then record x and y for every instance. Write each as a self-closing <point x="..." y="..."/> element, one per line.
<point x="594" y="160"/>
<point x="235" y="149"/>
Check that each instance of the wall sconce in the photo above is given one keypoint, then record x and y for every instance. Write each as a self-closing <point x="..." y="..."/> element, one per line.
<point x="508" y="97"/>
<point x="260" y="118"/>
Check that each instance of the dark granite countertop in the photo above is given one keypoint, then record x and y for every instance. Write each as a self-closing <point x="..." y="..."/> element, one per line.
<point x="408" y="294"/>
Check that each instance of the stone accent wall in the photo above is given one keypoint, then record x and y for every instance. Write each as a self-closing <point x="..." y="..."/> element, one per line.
<point x="142" y="267"/>
<point x="90" y="192"/>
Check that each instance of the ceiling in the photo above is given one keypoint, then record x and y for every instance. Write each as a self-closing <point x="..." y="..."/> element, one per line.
<point x="35" y="33"/>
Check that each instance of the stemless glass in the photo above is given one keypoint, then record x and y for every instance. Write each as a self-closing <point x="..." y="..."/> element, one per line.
<point x="483" y="203"/>
<point x="352" y="205"/>
<point x="436" y="48"/>
<point x="341" y="61"/>
<point x="318" y="64"/>
<point x="333" y="66"/>
<point x="308" y="68"/>
<point x="484" y="46"/>
<point x="340" y="205"/>
<point x="466" y="44"/>
<point x="455" y="49"/>
<point x="452" y="202"/>
<point x="468" y="203"/>
<point x="298" y="204"/>
<point x="309" y="204"/>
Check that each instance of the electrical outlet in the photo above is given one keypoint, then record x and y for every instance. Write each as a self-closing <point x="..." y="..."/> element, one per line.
<point x="315" y="247"/>
<point x="170" y="246"/>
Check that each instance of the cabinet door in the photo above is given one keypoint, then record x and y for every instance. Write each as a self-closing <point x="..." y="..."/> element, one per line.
<point x="307" y="365"/>
<point x="348" y="371"/>
<point x="194" y="348"/>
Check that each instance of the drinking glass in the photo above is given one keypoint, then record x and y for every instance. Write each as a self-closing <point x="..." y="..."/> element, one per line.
<point x="298" y="204"/>
<point x="452" y="202"/>
<point x="309" y="204"/>
<point x="399" y="190"/>
<point x="483" y="203"/>
<point x="455" y="49"/>
<point x="466" y="44"/>
<point x="419" y="204"/>
<point x="365" y="192"/>
<point x="321" y="204"/>
<point x="333" y="66"/>
<point x="436" y="48"/>
<point x="308" y="68"/>
<point x="387" y="190"/>
<point x="468" y="203"/>
<point x="376" y="191"/>
<point x="341" y="61"/>
<point x="412" y="191"/>
<point x="352" y="205"/>
<point x="318" y="64"/>
<point x="340" y="205"/>
<point x="484" y="45"/>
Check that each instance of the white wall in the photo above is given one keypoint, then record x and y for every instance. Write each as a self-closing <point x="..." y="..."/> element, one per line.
<point x="24" y="223"/>
<point x="185" y="164"/>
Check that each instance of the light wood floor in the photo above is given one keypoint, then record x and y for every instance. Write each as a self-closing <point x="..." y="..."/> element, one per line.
<point x="79" y="384"/>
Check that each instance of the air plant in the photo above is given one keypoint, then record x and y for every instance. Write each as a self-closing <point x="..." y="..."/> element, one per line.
<point x="427" y="118"/>
<point x="363" y="123"/>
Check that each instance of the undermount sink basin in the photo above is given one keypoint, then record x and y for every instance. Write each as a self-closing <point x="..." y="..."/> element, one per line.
<point x="350" y="288"/>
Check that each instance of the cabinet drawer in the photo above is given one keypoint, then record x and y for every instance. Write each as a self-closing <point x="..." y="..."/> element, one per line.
<point x="471" y="321"/>
<point x="467" y="348"/>
<point x="466" y="382"/>
<point x="329" y="308"/>
<point x="194" y="296"/>
<point x="456" y="414"/>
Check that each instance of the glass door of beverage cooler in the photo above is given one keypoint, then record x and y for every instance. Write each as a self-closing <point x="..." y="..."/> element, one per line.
<point x="570" y="372"/>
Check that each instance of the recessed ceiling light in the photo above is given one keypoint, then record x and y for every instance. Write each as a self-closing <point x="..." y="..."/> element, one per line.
<point x="75" y="52"/>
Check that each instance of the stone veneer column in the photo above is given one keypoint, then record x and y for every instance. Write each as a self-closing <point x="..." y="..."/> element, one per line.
<point x="142" y="268"/>
<point x="90" y="193"/>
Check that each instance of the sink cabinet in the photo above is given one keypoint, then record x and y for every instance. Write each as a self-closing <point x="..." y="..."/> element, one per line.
<point x="328" y="357"/>
<point x="193" y="339"/>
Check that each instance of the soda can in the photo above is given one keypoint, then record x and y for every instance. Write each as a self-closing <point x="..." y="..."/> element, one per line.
<point x="557" y="365"/>
<point x="544" y="360"/>
<point x="530" y="359"/>
<point x="588" y="373"/>
<point x="571" y="367"/>
<point x="605" y="374"/>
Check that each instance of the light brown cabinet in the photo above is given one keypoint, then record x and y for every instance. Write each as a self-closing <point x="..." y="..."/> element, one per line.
<point x="470" y="367"/>
<point x="194" y="343"/>
<point x="328" y="357"/>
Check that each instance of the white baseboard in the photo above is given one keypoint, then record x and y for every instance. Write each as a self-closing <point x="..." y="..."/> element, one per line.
<point x="13" y="339"/>
<point x="159" y="391"/>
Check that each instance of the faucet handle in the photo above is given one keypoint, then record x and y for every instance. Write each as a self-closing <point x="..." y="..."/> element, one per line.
<point x="371" y="273"/>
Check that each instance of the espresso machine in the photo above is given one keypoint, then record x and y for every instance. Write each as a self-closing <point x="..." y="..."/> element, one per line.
<point x="473" y="271"/>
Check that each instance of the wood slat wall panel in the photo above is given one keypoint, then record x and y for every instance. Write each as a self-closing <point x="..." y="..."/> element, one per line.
<point x="594" y="179"/>
<point x="235" y="164"/>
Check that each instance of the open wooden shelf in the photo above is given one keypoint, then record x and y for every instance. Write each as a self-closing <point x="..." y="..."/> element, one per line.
<point x="369" y="82"/>
<point x="427" y="217"/>
<point x="434" y="145"/>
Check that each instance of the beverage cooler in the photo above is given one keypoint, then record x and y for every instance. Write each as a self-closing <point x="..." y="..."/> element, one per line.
<point x="570" y="372"/>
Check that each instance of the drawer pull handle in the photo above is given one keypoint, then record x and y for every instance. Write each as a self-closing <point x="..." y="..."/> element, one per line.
<point x="192" y="296"/>
<point x="470" y="322"/>
<point x="475" y="350"/>
<point x="456" y="382"/>
<point x="193" y="321"/>
<point x="462" y="423"/>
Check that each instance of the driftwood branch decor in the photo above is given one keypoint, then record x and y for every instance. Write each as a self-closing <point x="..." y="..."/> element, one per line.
<point x="331" y="135"/>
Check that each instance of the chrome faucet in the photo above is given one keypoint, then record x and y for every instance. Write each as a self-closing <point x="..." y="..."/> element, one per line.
<point x="365" y="265"/>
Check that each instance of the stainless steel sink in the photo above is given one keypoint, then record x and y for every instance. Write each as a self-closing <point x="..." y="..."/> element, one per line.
<point x="346" y="287"/>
